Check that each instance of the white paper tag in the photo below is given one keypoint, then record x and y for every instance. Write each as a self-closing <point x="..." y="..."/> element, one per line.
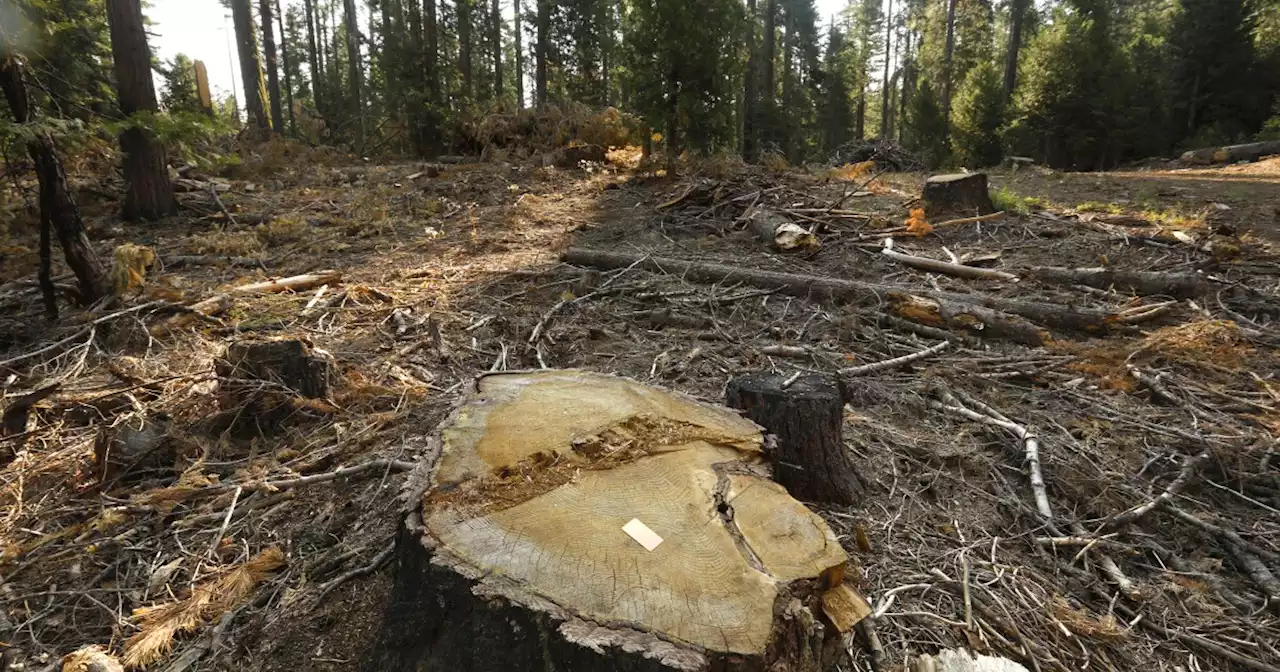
<point x="642" y="534"/>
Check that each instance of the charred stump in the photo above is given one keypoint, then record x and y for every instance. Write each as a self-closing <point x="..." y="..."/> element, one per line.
<point x="263" y="379"/>
<point x="579" y="522"/>
<point x="962" y="194"/>
<point x="807" y="417"/>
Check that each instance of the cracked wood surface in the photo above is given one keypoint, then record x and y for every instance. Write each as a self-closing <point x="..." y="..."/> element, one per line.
<point x="571" y="457"/>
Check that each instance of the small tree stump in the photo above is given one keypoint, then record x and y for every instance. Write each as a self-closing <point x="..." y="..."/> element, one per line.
<point x="514" y="554"/>
<point x="265" y="375"/>
<point x="807" y="417"/>
<point x="964" y="193"/>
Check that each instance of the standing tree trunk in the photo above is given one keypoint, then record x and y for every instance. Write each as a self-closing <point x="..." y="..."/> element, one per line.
<point x="519" y="57"/>
<point x="354" y="67"/>
<point x="768" y="91"/>
<point x="541" y="49"/>
<point x="885" y="125"/>
<point x="947" y="69"/>
<point x="317" y="72"/>
<point x="149" y="193"/>
<point x="1017" y="14"/>
<point x="497" y="51"/>
<point x="288" y="79"/>
<point x="255" y="89"/>
<point x="908" y="81"/>
<point x="273" y="72"/>
<point x="58" y="208"/>
<point x="749" y="92"/>
<point x="789" y="103"/>
<point x="464" y="45"/>
<point x="606" y="48"/>
<point x="433" y="53"/>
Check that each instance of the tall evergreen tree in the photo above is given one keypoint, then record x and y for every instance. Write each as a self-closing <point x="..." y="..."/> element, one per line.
<point x="255" y="89"/>
<point x="273" y="70"/>
<point x="148" y="191"/>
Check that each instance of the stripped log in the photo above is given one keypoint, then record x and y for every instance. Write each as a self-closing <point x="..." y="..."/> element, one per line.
<point x="1231" y="153"/>
<point x="778" y="232"/>
<point x="911" y="304"/>
<point x="295" y="283"/>
<point x="946" y="268"/>
<point x="1142" y="283"/>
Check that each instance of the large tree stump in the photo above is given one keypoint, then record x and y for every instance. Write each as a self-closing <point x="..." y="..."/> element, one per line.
<point x="514" y="556"/>
<point x="807" y="417"/>
<point x="962" y="193"/>
<point x="260" y="379"/>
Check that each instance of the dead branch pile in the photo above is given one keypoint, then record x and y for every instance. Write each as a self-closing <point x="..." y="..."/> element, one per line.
<point x="887" y="154"/>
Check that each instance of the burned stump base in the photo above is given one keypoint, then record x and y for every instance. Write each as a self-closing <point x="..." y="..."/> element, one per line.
<point x="261" y="379"/>
<point x="961" y="194"/>
<point x="807" y="417"/>
<point x="514" y="554"/>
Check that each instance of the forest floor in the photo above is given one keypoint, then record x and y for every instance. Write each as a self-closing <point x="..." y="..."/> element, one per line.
<point x="449" y="276"/>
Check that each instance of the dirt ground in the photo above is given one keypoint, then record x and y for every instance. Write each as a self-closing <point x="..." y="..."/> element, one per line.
<point x="448" y="276"/>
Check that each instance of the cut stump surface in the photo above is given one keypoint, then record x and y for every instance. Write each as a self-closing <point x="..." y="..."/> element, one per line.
<point x="537" y="476"/>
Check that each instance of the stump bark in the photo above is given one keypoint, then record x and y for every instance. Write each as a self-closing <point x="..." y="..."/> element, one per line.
<point x="963" y="193"/>
<point x="807" y="417"/>
<point x="261" y="378"/>
<point x="514" y="555"/>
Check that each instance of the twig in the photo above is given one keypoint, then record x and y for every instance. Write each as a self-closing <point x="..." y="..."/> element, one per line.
<point x="1030" y="445"/>
<point x="896" y="361"/>
<point x="1189" y="468"/>
<point x="82" y="332"/>
<point x="969" y="220"/>
<point x="226" y="520"/>
<point x="546" y="317"/>
<point x="213" y="193"/>
<point x="390" y="465"/>
<point x="378" y="561"/>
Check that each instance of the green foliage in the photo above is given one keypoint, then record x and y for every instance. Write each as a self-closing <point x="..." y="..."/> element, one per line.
<point x="1216" y="78"/>
<point x="977" y="116"/>
<point x="179" y="92"/>
<point x="190" y="137"/>
<point x="837" y="111"/>
<point x="1270" y="130"/>
<point x="1008" y="200"/>
<point x="926" y="131"/>
<point x="683" y="68"/>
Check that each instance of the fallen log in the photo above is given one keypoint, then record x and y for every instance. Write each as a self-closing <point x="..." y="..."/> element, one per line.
<point x="291" y="284"/>
<point x="1231" y="153"/>
<point x="936" y="308"/>
<point x="777" y="231"/>
<point x="946" y="268"/>
<point x="1142" y="283"/>
<point x="605" y="525"/>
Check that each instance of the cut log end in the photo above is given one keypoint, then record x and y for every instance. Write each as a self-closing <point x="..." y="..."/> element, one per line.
<point x="608" y="525"/>
<point x="807" y="417"/>
<point x="963" y="194"/>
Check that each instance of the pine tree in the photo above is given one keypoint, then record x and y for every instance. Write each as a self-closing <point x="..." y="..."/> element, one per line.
<point x="926" y="131"/>
<point x="1215" y="77"/>
<point x="255" y="90"/>
<point x="978" y="116"/>
<point x="273" y="70"/>
<point x="180" y="94"/>
<point x="837" y="112"/>
<point x="682" y="62"/>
